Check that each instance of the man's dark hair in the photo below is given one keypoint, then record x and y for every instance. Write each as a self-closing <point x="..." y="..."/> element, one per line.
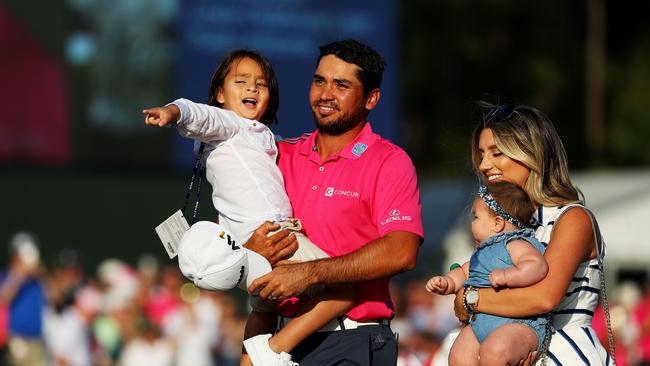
<point x="223" y="68"/>
<point x="370" y="63"/>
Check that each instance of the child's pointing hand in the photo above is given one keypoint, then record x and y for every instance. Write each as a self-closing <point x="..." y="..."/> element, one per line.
<point x="161" y="116"/>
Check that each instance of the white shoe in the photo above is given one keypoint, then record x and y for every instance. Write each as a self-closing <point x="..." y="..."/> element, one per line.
<point x="261" y="354"/>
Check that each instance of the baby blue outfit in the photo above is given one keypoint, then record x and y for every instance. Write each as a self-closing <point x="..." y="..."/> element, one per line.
<point x="492" y="254"/>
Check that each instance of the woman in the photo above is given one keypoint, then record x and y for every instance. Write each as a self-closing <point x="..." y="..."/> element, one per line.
<point x="519" y="144"/>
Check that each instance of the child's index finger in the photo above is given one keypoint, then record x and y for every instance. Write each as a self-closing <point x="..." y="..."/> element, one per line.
<point x="150" y="111"/>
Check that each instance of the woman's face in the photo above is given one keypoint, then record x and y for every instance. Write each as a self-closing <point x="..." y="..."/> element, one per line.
<point x="496" y="166"/>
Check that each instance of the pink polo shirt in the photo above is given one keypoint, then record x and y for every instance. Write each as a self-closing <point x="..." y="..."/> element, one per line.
<point x="366" y="191"/>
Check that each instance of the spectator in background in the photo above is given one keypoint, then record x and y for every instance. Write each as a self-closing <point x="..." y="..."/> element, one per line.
<point x="642" y="317"/>
<point x="22" y="293"/>
<point x="65" y="324"/>
<point x="147" y="347"/>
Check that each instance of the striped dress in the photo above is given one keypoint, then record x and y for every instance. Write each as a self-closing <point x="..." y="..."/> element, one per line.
<point x="574" y="341"/>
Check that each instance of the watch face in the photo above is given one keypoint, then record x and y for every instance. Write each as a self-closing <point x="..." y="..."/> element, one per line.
<point x="472" y="296"/>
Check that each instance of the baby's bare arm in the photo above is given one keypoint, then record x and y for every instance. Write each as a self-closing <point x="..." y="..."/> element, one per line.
<point x="439" y="285"/>
<point x="529" y="266"/>
<point x="449" y="283"/>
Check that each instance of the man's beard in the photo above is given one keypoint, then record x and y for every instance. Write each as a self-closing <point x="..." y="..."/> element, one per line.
<point x="342" y="125"/>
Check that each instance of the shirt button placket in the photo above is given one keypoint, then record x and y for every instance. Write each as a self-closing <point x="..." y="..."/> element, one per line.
<point x="320" y="169"/>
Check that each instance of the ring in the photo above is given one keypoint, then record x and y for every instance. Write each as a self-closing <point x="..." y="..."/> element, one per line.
<point x="273" y="297"/>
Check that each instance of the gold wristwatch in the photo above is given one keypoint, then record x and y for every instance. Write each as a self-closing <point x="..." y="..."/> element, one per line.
<point x="470" y="301"/>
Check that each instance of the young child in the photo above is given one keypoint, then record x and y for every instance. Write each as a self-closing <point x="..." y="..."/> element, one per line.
<point x="507" y="255"/>
<point x="248" y="188"/>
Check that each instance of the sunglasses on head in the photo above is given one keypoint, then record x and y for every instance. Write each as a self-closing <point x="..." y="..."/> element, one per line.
<point x="499" y="113"/>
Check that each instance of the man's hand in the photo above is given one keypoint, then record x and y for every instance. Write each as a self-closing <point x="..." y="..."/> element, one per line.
<point x="285" y="281"/>
<point x="161" y="116"/>
<point x="274" y="248"/>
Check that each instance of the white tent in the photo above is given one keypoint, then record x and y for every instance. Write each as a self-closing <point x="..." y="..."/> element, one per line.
<point x="621" y="203"/>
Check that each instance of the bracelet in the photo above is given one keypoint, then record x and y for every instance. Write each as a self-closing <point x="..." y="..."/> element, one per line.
<point x="465" y="305"/>
<point x="470" y="309"/>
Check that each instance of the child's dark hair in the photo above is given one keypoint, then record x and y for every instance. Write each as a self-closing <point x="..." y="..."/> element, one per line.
<point x="223" y="68"/>
<point x="370" y="63"/>
<point x="513" y="200"/>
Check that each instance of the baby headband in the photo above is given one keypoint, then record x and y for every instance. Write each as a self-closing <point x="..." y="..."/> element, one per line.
<point x="494" y="206"/>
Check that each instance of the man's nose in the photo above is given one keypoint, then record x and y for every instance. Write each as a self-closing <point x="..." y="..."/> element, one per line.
<point x="326" y="93"/>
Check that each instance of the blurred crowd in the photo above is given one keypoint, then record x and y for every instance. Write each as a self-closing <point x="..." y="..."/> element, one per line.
<point x="147" y="313"/>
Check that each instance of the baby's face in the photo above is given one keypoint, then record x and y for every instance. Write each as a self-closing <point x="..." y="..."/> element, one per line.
<point x="245" y="90"/>
<point x="483" y="221"/>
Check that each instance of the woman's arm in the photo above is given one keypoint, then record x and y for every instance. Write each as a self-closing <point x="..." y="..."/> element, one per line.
<point x="571" y="243"/>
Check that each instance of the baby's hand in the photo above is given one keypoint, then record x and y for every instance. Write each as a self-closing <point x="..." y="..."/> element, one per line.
<point x="498" y="278"/>
<point x="161" y="116"/>
<point x="438" y="285"/>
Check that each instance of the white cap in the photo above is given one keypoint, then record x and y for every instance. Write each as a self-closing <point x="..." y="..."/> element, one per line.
<point x="209" y="257"/>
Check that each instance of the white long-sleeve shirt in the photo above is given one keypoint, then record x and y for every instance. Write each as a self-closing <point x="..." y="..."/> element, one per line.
<point x="240" y="160"/>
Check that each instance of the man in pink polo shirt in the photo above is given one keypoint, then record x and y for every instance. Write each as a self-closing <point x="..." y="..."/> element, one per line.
<point x="357" y="197"/>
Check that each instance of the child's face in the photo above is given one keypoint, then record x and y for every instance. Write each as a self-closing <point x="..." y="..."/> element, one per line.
<point x="483" y="221"/>
<point x="245" y="90"/>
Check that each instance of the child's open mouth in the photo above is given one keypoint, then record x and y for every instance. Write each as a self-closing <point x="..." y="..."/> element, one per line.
<point x="249" y="102"/>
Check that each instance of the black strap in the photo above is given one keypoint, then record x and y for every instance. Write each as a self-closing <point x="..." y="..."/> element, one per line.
<point x="199" y="170"/>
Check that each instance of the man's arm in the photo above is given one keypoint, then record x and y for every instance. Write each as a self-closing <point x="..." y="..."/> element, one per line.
<point x="389" y="255"/>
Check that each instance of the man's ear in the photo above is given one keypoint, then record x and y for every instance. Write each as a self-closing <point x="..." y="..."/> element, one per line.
<point x="373" y="99"/>
<point x="499" y="224"/>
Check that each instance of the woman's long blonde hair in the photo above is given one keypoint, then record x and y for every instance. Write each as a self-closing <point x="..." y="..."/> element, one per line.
<point x="527" y="135"/>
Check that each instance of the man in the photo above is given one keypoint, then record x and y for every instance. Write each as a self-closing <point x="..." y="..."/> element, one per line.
<point x="357" y="197"/>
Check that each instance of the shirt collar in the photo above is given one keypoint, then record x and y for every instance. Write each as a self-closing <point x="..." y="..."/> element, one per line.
<point x="354" y="150"/>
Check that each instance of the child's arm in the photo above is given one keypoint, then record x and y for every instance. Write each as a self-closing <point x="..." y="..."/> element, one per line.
<point x="450" y="283"/>
<point x="196" y="121"/>
<point x="529" y="266"/>
<point x="161" y="116"/>
<point x="260" y="323"/>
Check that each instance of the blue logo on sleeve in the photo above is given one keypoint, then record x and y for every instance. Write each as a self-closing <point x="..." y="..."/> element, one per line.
<point x="359" y="148"/>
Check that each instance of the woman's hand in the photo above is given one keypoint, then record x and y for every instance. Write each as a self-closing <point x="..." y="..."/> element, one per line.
<point x="459" y="307"/>
<point x="529" y="360"/>
<point x="274" y="248"/>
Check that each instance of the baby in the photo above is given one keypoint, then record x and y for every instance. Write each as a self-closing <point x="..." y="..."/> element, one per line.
<point x="507" y="255"/>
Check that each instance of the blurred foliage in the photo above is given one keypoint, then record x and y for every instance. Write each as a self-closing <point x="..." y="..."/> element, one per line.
<point x="630" y="109"/>
<point x="452" y="53"/>
<point x="455" y="52"/>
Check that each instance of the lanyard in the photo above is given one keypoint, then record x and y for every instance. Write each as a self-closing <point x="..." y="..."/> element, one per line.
<point x="199" y="170"/>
